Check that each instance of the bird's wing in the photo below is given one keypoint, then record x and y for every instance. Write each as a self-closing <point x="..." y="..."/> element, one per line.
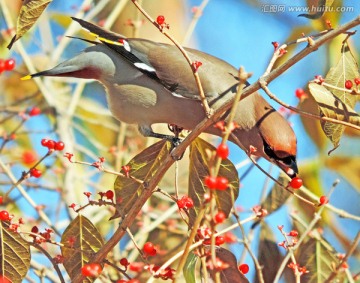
<point x="165" y="64"/>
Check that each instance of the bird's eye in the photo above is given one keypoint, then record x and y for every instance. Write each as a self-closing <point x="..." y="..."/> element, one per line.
<point x="269" y="151"/>
<point x="288" y="160"/>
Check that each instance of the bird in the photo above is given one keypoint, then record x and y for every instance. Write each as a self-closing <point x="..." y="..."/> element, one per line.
<point x="147" y="82"/>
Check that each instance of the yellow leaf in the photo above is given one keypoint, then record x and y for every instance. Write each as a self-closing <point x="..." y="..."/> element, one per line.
<point x="30" y="11"/>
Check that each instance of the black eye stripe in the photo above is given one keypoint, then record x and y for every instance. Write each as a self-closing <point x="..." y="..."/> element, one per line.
<point x="270" y="152"/>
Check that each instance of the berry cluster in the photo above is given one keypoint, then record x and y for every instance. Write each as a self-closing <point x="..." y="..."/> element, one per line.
<point x="185" y="202"/>
<point x="52" y="145"/>
<point x="216" y="183"/>
<point x="91" y="270"/>
<point x="7" y="65"/>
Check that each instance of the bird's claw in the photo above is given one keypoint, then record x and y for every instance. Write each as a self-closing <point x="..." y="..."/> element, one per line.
<point x="175" y="141"/>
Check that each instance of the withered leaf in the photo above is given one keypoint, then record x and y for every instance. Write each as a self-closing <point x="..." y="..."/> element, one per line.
<point x="334" y="102"/>
<point x="14" y="254"/>
<point x="199" y="169"/>
<point x="269" y="255"/>
<point x="142" y="167"/>
<point x="30" y="11"/>
<point x="81" y="239"/>
<point x="230" y="274"/>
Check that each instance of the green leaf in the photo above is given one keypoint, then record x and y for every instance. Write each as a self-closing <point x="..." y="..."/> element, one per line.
<point x="269" y="255"/>
<point x="30" y="11"/>
<point x="277" y="196"/>
<point x="318" y="256"/>
<point x="199" y="169"/>
<point x="142" y="168"/>
<point x="14" y="254"/>
<point x="189" y="268"/>
<point x="85" y="240"/>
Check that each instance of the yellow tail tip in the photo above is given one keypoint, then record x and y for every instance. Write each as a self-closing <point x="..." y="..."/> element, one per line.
<point x="28" y="77"/>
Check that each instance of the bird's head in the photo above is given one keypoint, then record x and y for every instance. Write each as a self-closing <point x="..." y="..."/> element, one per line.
<point x="95" y="62"/>
<point x="269" y="135"/>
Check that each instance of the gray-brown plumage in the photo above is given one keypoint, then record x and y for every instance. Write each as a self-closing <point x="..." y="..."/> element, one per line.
<point x="148" y="83"/>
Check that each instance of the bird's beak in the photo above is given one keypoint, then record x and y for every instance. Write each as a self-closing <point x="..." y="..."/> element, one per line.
<point x="290" y="169"/>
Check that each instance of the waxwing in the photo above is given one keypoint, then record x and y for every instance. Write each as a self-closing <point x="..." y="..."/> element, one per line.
<point x="148" y="82"/>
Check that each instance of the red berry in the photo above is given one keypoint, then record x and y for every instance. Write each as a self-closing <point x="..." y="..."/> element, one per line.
<point x="34" y="111"/>
<point x="1" y="199"/>
<point x="91" y="270"/>
<point x="244" y="268"/>
<point x="44" y="142"/>
<point x="220" y="217"/>
<point x="59" y="145"/>
<point x="149" y="249"/>
<point x="348" y="84"/>
<point x="296" y="183"/>
<point x="9" y="64"/>
<point x="222" y="151"/>
<point x="2" y="65"/>
<point x="210" y="182"/>
<point x="3" y="279"/>
<point x="50" y="144"/>
<point x="181" y="203"/>
<point x="323" y="200"/>
<point x="29" y="157"/>
<point x="219" y="240"/>
<point x="35" y="173"/>
<point x="357" y="81"/>
<point x="222" y="183"/>
<point x="109" y="194"/>
<point x="189" y="203"/>
<point x="124" y="262"/>
<point x="160" y="20"/>
<point x="300" y="93"/>
<point x="4" y="215"/>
